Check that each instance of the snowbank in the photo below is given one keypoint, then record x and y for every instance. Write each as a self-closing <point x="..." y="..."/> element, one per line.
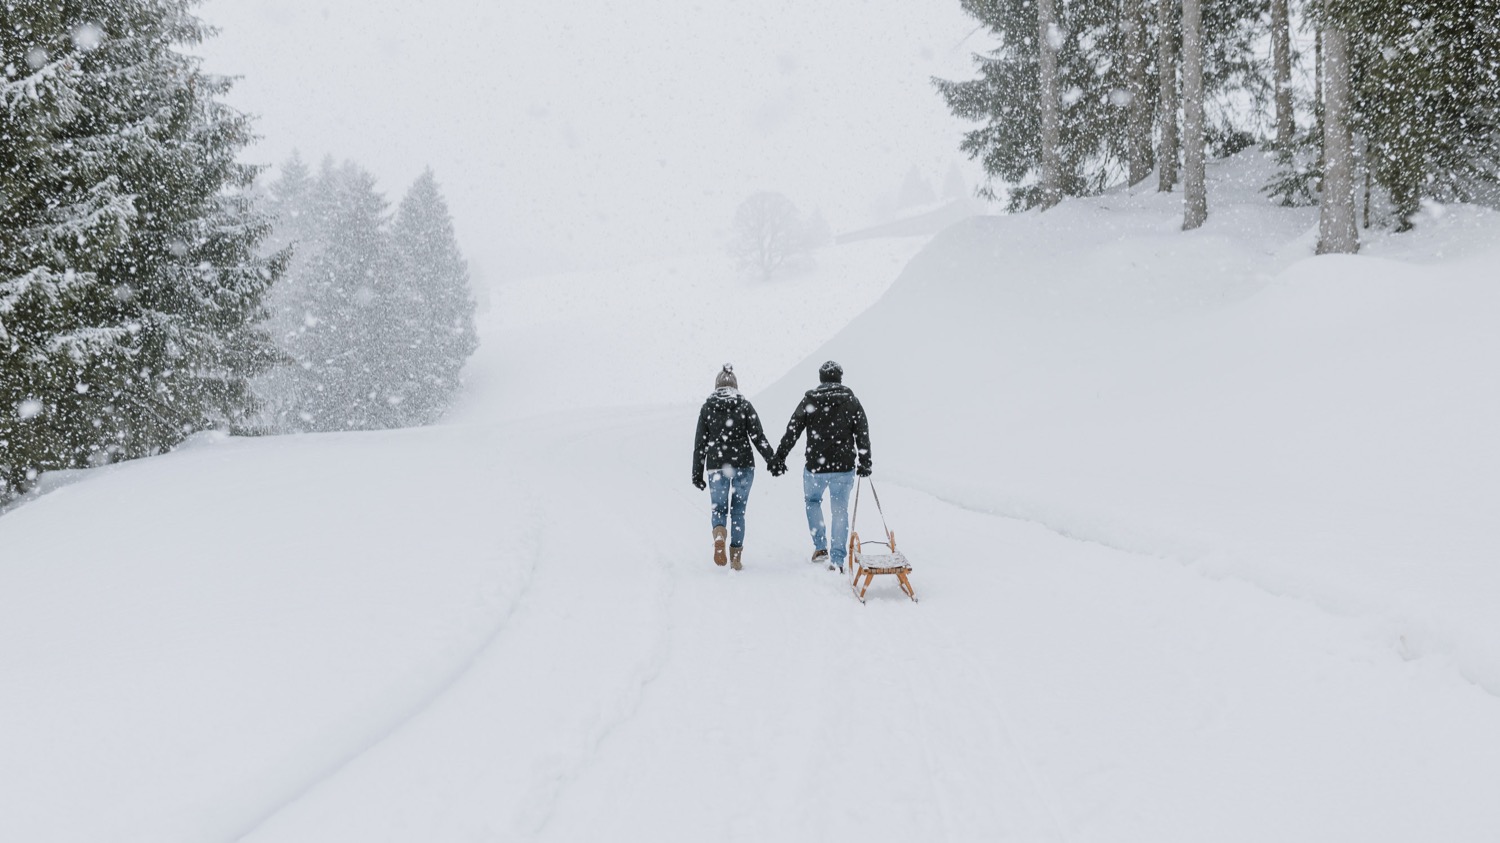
<point x="1322" y="427"/>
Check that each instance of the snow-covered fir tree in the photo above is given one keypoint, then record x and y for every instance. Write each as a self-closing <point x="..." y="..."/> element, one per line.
<point x="375" y="317"/>
<point x="342" y="378"/>
<point x="1083" y="106"/>
<point x="131" y="278"/>
<point x="430" y="329"/>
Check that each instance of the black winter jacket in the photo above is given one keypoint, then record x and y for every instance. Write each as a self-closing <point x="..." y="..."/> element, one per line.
<point x="838" y="434"/>
<point x="727" y="427"/>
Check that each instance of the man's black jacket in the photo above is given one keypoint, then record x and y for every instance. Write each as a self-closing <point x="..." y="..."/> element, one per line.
<point x="727" y="427"/>
<point x="838" y="434"/>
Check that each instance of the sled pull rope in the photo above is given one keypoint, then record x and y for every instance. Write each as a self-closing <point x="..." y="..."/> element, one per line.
<point x="854" y="522"/>
<point x="879" y="509"/>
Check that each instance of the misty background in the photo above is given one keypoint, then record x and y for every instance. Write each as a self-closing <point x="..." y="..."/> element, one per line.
<point x="580" y="134"/>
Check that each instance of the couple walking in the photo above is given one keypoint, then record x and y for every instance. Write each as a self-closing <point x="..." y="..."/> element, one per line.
<point x="838" y="448"/>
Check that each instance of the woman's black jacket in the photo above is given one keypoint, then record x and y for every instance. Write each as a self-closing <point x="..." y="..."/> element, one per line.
<point x="727" y="428"/>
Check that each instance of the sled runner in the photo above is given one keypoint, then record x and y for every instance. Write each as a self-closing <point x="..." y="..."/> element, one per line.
<point x="868" y="566"/>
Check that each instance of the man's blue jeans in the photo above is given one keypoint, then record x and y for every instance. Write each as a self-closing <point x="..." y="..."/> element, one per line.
<point x="729" y="508"/>
<point x="837" y="486"/>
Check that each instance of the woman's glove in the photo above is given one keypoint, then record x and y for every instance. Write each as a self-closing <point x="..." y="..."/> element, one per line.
<point x="700" y="482"/>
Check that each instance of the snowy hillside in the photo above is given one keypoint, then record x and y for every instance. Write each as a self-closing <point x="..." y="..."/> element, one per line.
<point x="1320" y="427"/>
<point x="1198" y="524"/>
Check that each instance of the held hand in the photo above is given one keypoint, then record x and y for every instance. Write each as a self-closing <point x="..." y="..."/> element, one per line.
<point x="700" y="482"/>
<point x="865" y="471"/>
<point x="777" y="468"/>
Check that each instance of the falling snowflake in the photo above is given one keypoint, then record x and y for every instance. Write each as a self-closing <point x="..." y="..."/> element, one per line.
<point x="1055" y="36"/>
<point x="88" y="36"/>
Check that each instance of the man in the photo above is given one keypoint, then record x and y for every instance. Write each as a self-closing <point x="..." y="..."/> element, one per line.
<point x="838" y="447"/>
<point x="728" y="429"/>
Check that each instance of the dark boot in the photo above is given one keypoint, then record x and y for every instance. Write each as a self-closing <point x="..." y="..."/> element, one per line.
<point x="734" y="557"/>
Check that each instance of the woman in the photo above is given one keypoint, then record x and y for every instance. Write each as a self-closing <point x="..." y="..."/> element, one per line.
<point x="727" y="428"/>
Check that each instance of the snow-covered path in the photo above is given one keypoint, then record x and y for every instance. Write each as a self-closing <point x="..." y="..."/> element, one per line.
<point x="1046" y="689"/>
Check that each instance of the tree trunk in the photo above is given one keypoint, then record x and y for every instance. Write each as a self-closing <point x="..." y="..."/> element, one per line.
<point x="1138" y="126"/>
<point x="1318" y="98"/>
<point x="1281" y="52"/>
<point x="1194" y="190"/>
<point x="1166" y="101"/>
<point x="1051" y="162"/>
<point x="1336" y="222"/>
<point x="1369" y="183"/>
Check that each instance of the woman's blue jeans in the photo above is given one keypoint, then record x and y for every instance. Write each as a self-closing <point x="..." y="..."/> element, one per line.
<point x="837" y="485"/>
<point x="729" y="488"/>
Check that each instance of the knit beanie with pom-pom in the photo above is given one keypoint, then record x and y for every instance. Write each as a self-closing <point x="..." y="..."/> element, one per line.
<point x="726" y="378"/>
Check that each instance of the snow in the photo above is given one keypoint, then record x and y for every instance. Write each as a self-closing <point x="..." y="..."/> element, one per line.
<point x="1198" y="523"/>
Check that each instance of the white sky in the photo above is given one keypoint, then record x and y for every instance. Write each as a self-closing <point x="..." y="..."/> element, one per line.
<point x="586" y="132"/>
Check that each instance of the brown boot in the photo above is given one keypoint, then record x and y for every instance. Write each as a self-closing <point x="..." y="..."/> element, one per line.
<point x="734" y="557"/>
<point x="720" y="534"/>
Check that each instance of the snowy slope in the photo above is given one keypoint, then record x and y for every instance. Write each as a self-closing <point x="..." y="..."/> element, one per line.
<point x="508" y="627"/>
<point x="1320" y="427"/>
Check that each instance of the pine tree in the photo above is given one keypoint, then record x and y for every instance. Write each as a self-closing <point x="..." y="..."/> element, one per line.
<point x="1050" y="39"/>
<point x="375" y="317"/>
<point x="1167" y="29"/>
<point x="339" y="381"/>
<point x="1423" y="100"/>
<point x="1336" y="225"/>
<point x="1015" y="142"/>
<point x="1194" y="189"/>
<point x="1281" y="60"/>
<point x="1138" y="94"/>
<point x="131" y="283"/>
<point x="299" y="203"/>
<point x="1425" y="92"/>
<point x="1097" y="59"/>
<point x="430" y="315"/>
<point x="915" y="190"/>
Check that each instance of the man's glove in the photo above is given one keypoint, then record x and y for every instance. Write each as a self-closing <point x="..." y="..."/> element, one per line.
<point x="777" y="468"/>
<point x="865" y="470"/>
<point x="700" y="482"/>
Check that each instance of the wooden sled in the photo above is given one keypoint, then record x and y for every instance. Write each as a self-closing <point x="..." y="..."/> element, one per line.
<point x="867" y="566"/>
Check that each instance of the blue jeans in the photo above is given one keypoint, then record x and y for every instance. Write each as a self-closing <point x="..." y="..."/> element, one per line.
<point x="838" y="486"/>
<point x="721" y="482"/>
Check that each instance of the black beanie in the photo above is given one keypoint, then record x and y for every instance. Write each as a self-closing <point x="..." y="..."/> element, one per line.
<point x="726" y="378"/>
<point x="831" y="372"/>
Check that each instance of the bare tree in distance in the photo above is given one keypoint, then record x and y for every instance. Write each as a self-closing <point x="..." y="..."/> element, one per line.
<point x="768" y="232"/>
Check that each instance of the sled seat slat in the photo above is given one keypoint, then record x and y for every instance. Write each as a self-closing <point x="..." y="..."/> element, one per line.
<point x="884" y="563"/>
